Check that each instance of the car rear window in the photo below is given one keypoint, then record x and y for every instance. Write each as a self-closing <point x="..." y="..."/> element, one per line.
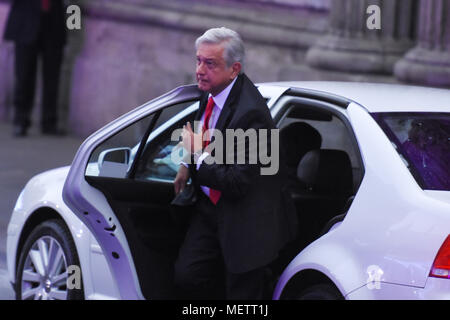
<point x="423" y="140"/>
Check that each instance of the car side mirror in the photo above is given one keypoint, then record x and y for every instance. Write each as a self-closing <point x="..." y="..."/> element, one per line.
<point x="114" y="163"/>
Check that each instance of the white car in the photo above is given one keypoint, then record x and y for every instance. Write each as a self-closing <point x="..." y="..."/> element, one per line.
<point x="368" y="171"/>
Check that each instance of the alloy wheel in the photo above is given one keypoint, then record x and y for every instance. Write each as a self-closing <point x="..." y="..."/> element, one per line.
<point x="44" y="275"/>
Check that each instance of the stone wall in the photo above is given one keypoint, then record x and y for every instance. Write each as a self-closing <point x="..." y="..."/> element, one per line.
<point x="428" y="63"/>
<point x="134" y="50"/>
<point x="130" y="51"/>
<point x="313" y="4"/>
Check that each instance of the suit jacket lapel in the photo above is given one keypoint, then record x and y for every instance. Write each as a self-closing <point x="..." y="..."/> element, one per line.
<point x="202" y="106"/>
<point x="229" y="104"/>
<point x="201" y="109"/>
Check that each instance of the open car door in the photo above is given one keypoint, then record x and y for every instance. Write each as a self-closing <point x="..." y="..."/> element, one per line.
<point x="121" y="184"/>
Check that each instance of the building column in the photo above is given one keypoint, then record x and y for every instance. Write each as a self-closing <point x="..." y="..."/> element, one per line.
<point x="350" y="46"/>
<point x="429" y="62"/>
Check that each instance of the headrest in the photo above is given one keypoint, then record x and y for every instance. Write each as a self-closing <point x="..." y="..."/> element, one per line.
<point x="297" y="139"/>
<point x="326" y="171"/>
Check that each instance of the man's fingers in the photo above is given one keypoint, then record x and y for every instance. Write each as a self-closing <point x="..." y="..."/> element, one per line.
<point x="177" y="188"/>
<point x="188" y="127"/>
<point x="187" y="131"/>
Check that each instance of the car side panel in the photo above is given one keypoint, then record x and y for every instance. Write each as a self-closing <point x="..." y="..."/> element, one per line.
<point x="392" y="231"/>
<point x="435" y="289"/>
<point x="97" y="278"/>
<point x="396" y="225"/>
<point x="330" y="256"/>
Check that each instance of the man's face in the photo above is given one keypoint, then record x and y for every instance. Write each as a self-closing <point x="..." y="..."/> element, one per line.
<point x="212" y="72"/>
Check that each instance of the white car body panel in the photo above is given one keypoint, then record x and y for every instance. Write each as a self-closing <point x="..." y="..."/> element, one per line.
<point x="399" y="235"/>
<point x="97" y="278"/>
<point x="380" y="97"/>
<point x="435" y="289"/>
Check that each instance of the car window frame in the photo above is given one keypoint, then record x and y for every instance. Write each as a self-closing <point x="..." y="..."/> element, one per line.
<point x="282" y="107"/>
<point x="154" y="135"/>
<point x="147" y="134"/>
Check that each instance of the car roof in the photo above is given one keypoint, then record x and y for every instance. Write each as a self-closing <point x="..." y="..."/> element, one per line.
<point x="380" y="97"/>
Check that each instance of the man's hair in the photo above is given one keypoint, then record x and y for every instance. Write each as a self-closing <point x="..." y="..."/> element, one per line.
<point x="234" y="50"/>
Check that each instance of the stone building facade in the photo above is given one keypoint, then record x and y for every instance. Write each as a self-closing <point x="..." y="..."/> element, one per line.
<point x="130" y="51"/>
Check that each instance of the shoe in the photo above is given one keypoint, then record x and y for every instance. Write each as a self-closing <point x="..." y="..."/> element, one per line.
<point x="53" y="131"/>
<point x="20" y="131"/>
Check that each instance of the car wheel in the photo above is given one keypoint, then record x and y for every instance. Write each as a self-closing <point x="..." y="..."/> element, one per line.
<point x="321" y="292"/>
<point x="42" y="271"/>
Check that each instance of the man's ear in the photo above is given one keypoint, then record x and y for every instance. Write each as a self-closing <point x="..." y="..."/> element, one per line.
<point x="237" y="66"/>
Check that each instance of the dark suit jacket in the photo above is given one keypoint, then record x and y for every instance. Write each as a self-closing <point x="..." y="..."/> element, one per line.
<point x="25" y="19"/>
<point x="256" y="216"/>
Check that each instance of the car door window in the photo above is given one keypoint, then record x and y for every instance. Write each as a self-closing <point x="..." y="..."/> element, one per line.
<point x="162" y="154"/>
<point x="114" y="157"/>
<point x="104" y="163"/>
<point x="422" y="140"/>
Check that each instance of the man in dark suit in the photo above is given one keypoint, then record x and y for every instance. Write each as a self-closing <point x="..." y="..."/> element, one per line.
<point x="242" y="218"/>
<point x="37" y="28"/>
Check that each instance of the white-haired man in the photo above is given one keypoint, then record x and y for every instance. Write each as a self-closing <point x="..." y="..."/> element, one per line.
<point x="242" y="218"/>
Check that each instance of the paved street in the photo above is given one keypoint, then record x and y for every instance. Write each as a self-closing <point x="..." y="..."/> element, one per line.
<point x="21" y="159"/>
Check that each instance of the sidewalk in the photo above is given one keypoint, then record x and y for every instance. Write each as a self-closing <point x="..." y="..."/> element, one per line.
<point x="21" y="159"/>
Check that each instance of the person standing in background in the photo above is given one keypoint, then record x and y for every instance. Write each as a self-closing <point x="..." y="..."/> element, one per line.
<point x="37" y="28"/>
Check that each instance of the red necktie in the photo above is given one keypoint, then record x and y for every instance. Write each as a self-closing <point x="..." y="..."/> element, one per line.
<point x="214" y="195"/>
<point x="45" y="5"/>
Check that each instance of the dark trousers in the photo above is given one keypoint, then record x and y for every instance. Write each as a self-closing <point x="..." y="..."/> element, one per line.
<point x="26" y="58"/>
<point x="200" y="272"/>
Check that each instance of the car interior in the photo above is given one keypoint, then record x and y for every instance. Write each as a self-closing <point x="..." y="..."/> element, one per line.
<point x="324" y="172"/>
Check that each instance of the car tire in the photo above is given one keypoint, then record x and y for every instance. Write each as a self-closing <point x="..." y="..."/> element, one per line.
<point x="42" y="271"/>
<point x="321" y="292"/>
